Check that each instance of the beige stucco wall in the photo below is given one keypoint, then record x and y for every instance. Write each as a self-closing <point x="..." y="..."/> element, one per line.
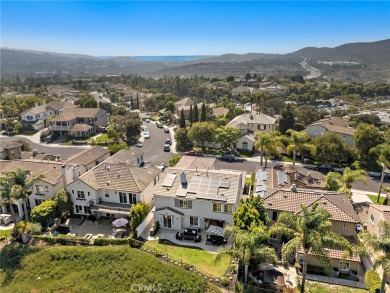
<point x="311" y="260"/>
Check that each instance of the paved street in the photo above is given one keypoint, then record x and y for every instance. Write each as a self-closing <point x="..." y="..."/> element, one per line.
<point x="64" y="152"/>
<point x="153" y="146"/>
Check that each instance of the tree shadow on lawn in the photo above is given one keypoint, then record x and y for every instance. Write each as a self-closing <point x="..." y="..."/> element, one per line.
<point x="11" y="257"/>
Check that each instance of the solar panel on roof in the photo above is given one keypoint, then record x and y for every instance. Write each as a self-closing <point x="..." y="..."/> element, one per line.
<point x="281" y="177"/>
<point x="168" y="181"/>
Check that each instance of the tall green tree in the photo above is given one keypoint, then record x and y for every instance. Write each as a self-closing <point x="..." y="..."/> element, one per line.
<point x="250" y="213"/>
<point x="330" y="148"/>
<point x="250" y="247"/>
<point x="131" y="103"/>
<point x="183" y="143"/>
<point x="382" y="152"/>
<point x="298" y="142"/>
<point x="182" y="119"/>
<point x="203" y="115"/>
<point x="138" y="106"/>
<point x="19" y="185"/>
<point x="380" y="245"/>
<point x="138" y="213"/>
<point x="196" y="113"/>
<point x="367" y="137"/>
<point x="170" y="106"/>
<point x="312" y="231"/>
<point x="266" y="143"/>
<point x="226" y="136"/>
<point x="44" y="214"/>
<point x="287" y="121"/>
<point x="343" y="182"/>
<point x="63" y="203"/>
<point x="191" y="118"/>
<point x="202" y="132"/>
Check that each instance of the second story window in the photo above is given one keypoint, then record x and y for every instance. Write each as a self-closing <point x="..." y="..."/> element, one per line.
<point x="372" y="219"/>
<point x="184" y="204"/>
<point x="80" y="194"/>
<point x="39" y="188"/>
<point x="106" y="193"/>
<point x="122" y="197"/>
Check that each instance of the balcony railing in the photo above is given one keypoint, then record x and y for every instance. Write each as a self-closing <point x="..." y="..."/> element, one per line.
<point x="56" y="127"/>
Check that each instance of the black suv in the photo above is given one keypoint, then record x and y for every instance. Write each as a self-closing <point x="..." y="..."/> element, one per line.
<point x="325" y="168"/>
<point x="230" y="158"/>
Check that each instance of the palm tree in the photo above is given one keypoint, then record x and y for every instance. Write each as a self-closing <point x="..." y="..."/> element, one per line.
<point x="380" y="244"/>
<point x="20" y="185"/>
<point x="5" y="192"/>
<point x="383" y="153"/>
<point x="249" y="246"/>
<point x="313" y="232"/>
<point x="343" y="182"/>
<point x="298" y="142"/>
<point x="266" y="143"/>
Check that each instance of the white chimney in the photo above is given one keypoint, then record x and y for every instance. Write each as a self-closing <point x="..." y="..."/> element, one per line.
<point x="309" y="177"/>
<point x="75" y="171"/>
<point x="63" y="169"/>
<point x="183" y="179"/>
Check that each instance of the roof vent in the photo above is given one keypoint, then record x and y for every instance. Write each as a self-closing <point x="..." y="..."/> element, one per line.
<point x="108" y="182"/>
<point x="108" y="168"/>
<point x="324" y="203"/>
<point x="294" y="188"/>
<point x="309" y="177"/>
<point x="285" y="196"/>
<point x="270" y="204"/>
<point x="119" y="175"/>
<point x="183" y="179"/>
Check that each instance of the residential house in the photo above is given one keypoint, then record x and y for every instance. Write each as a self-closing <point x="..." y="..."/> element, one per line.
<point x="273" y="88"/>
<point x="185" y="105"/>
<point x="335" y="125"/>
<point x="343" y="217"/>
<point x="89" y="158"/>
<point x="195" y="163"/>
<point x="36" y="116"/>
<point x="112" y="187"/>
<point x="55" y="176"/>
<point x="220" y="111"/>
<point x="11" y="151"/>
<point x="248" y="124"/>
<point x="79" y="122"/>
<point x="284" y="176"/>
<point x="197" y="198"/>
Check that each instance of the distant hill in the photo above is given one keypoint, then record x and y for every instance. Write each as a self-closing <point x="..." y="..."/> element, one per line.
<point x="237" y="58"/>
<point x="373" y="54"/>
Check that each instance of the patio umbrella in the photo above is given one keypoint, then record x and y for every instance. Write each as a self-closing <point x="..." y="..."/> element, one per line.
<point x="215" y="230"/>
<point x="120" y="222"/>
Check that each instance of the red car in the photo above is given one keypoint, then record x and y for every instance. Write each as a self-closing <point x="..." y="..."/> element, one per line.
<point x="193" y="153"/>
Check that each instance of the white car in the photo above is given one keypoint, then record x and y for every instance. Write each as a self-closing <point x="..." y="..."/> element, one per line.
<point x="146" y="135"/>
<point x="147" y="120"/>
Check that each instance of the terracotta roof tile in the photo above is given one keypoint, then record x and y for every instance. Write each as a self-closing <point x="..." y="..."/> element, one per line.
<point x="88" y="156"/>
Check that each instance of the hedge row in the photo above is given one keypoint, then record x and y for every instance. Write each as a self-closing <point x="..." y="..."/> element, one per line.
<point x="373" y="281"/>
<point x="70" y="240"/>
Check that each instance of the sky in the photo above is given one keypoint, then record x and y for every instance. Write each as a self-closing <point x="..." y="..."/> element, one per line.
<point x="160" y="28"/>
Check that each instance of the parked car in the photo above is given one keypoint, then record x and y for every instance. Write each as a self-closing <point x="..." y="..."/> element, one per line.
<point x="309" y="166"/>
<point x="147" y="120"/>
<point x="379" y="175"/>
<point x="168" y="141"/>
<point x="139" y="144"/>
<point x="166" y="129"/>
<point x="339" y="170"/>
<point x="325" y="168"/>
<point x="159" y="125"/>
<point x="50" y="137"/>
<point x="193" y="153"/>
<point x="230" y="158"/>
<point x="146" y="135"/>
<point x="167" y="147"/>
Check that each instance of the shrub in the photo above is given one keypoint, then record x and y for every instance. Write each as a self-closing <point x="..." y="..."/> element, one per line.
<point x="233" y="269"/>
<point x="186" y="265"/>
<point x="43" y="134"/>
<point x="297" y="266"/>
<point x="110" y="241"/>
<point x="373" y="281"/>
<point x="138" y="212"/>
<point x="2" y="238"/>
<point x="225" y="281"/>
<point x="63" y="240"/>
<point x="44" y="213"/>
<point x="155" y="228"/>
<point x="173" y="161"/>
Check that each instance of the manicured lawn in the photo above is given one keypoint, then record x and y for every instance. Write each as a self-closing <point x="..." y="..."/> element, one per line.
<point x="328" y="288"/>
<point x="204" y="261"/>
<point x="90" y="269"/>
<point x="102" y="138"/>
<point x="382" y="199"/>
<point x="6" y="233"/>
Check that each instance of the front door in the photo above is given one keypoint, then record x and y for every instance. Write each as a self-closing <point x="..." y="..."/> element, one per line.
<point x="167" y="221"/>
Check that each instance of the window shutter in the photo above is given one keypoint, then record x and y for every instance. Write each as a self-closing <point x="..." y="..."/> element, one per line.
<point x="190" y="204"/>
<point x="177" y="203"/>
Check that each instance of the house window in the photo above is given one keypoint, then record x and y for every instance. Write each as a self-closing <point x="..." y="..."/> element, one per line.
<point x="79" y="209"/>
<point x="372" y="219"/>
<point x="47" y="188"/>
<point x="87" y="210"/>
<point x="72" y="191"/>
<point x="244" y="145"/>
<point x="122" y="197"/>
<point x="217" y="207"/>
<point x="273" y="237"/>
<point x="106" y="193"/>
<point x="344" y="265"/>
<point x="80" y="194"/>
<point x="301" y="259"/>
<point x="39" y="188"/>
<point x="272" y="215"/>
<point x="38" y="202"/>
<point x="183" y="204"/>
<point x="30" y="117"/>
<point x="133" y="198"/>
<point x="228" y="208"/>
<point x="344" y="226"/>
<point x="261" y="127"/>
<point x="194" y="221"/>
<point x="96" y="162"/>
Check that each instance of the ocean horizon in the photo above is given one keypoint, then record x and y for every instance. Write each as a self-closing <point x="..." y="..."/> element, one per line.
<point x="173" y="58"/>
